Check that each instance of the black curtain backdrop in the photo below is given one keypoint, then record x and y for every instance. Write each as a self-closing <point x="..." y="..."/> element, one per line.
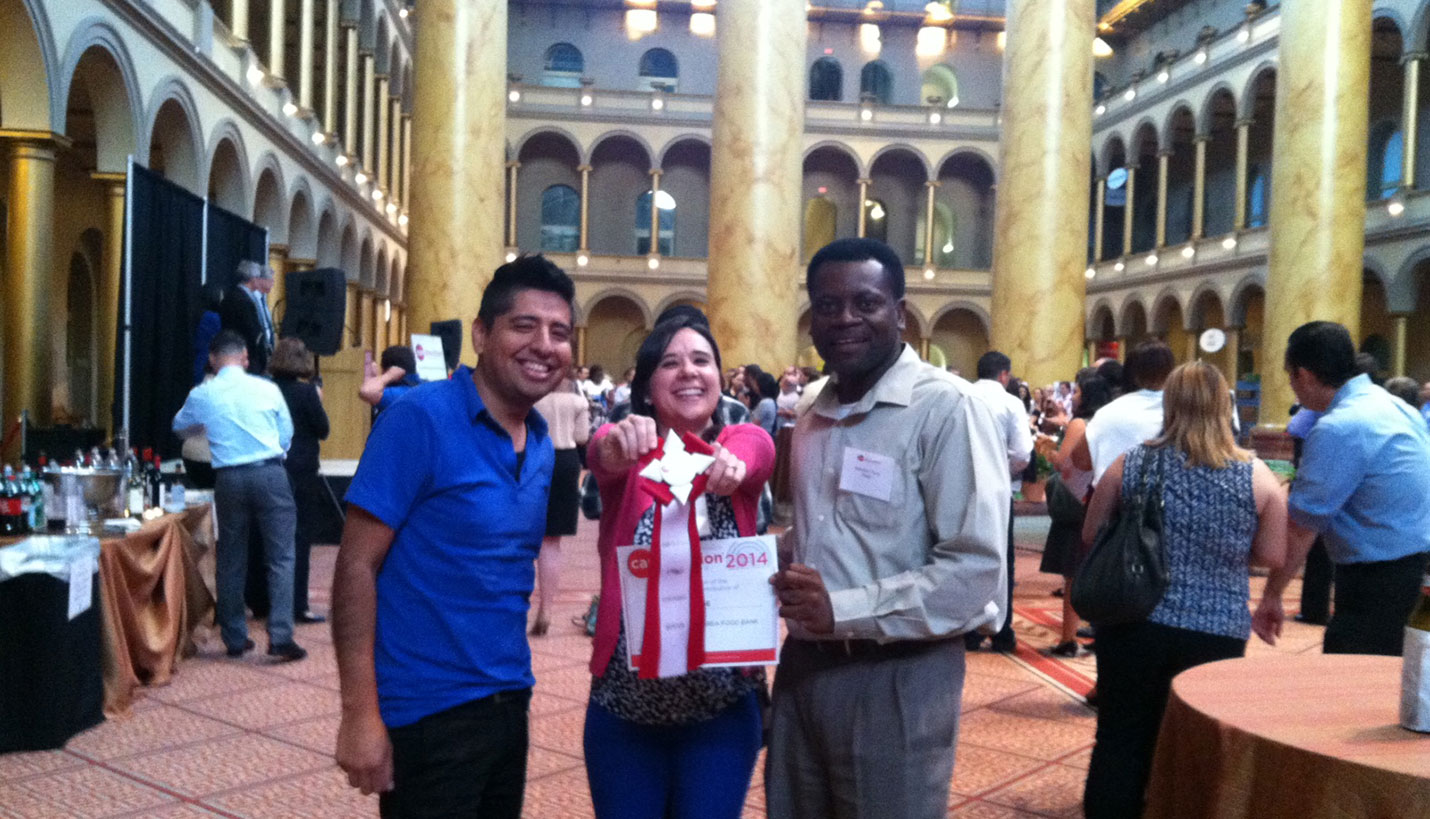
<point x="233" y="239"/>
<point x="166" y="254"/>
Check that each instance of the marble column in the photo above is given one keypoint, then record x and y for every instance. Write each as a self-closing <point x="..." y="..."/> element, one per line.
<point x="307" y="20"/>
<point x="1163" y="159"/>
<point x="277" y="304"/>
<point x="277" y="17"/>
<point x="407" y="160"/>
<point x="110" y="282"/>
<point x="1040" y="228"/>
<point x="1410" y="117"/>
<point x="1199" y="187"/>
<point x="29" y="262"/>
<point x="380" y="142"/>
<point x="394" y="157"/>
<point x="369" y="119"/>
<point x="584" y="241"/>
<point x="654" y="248"/>
<point x="924" y="348"/>
<point x="458" y="148"/>
<point x="238" y="19"/>
<point x="350" y="90"/>
<point x="755" y="181"/>
<point x="511" y="170"/>
<point x="930" y="191"/>
<point x="1398" y="329"/>
<point x="1317" y="227"/>
<point x="1243" y="137"/>
<point x="863" y="211"/>
<point x="1127" y="210"/>
<point x="1098" y="218"/>
<point x="330" y="67"/>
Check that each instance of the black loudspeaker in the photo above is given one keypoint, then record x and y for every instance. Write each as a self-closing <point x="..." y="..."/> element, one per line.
<point x="317" y="304"/>
<point x="450" y="331"/>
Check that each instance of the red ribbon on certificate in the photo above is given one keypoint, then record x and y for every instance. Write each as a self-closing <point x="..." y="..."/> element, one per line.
<point x="649" y="663"/>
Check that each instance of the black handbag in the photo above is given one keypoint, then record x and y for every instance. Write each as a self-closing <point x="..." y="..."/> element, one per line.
<point x="1125" y="574"/>
<point x="1063" y="505"/>
<point x="590" y="498"/>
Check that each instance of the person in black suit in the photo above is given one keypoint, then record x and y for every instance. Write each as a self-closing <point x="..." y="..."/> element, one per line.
<point x="244" y="310"/>
<point x="292" y="367"/>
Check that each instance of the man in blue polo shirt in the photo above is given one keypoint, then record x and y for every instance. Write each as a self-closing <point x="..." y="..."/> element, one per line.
<point x="1364" y="487"/>
<point x="433" y="579"/>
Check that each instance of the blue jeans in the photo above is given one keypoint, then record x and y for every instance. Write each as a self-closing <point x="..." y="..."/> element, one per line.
<point x="699" y="771"/>
<point x="244" y="496"/>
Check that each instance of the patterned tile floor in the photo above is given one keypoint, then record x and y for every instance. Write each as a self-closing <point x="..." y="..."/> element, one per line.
<point x="248" y="738"/>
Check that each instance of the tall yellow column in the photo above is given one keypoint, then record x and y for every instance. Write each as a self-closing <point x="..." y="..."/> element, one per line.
<point x="1199" y="187"/>
<point x="277" y="26"/>
<point x="381" y="144"/>
<point x="1317" y="225"/>
<point x="238" y="19"/>
<point x="584" y="242"/>
<point x="307" y="21"/>
<point x="110" y="281"/>
<point x="924" y="348"/>
<point x="1098" y="217"/>
<point x="930" y="191"/>
<point x="1040" y="229"/>
<point x="863" y="214"/>
<point x="511" y="168"/>
<point x="1398" y="327"/>
<point x="654" y="249"/>
<point x="29" y="261"/>
<point x="755" y="174"/>
<point x="368" y="119"/>
<point x="394" y="156"/>
<point x="1243" y="138"/>
<point x="330" y="67"/>
<point x="350" y="90"/>
<point x="1410" y="117"/>
<point x="1163" y="160"/>
<point x="277" y="303"/>
<point x="458" y="147"/>
<point x="1131" y="188"/>
<point x="1233" y="349"/>
<point x="407" y="160"/>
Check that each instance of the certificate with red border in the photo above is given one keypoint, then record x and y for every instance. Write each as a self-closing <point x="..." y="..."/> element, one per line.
<point x="741" y="615"/>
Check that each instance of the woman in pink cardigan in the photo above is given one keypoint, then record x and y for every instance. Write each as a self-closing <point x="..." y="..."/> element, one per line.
<point x="679" y="746"/>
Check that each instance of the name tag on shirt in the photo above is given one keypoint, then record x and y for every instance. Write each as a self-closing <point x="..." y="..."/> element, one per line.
<point x="867" y="473"/>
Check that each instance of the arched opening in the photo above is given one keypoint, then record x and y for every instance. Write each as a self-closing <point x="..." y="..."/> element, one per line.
<point x="1376" y="328"/>
<point x="966" y="194"/>
<point x="1181" y="174"/>
<point x="173" y="151"/>
<point x="826" y="80"/>
<point x="957" y="340"/>
<point x="1207" y="314"/>
<point x="80" y="348"/>
<point x="227" y="187"/>
<point x="560" y="219"/>
<point x="270" y="208"/>
<point x="821" y="218"/>
<point x="563" y="66"/>
<point x="548" y="160"/>
<point x="329" y="249"/>
<point x="615" y="328"/>
<point x="1248" y="311"/>
<point x="1417" y="326"/>
<point x="620" y="172"/>
<point x="943" y="232"/>
<point x="831" y="175"/>
<point x="659" y="70"/>
<point x="1114" y="199"/>
<point x="686" y="178"/>
<point x="1219" y="191"/>
<point x="1169" y="324"/>
<point x="897" y="179"/>
<point x="1258" y="174"/>
<point x="876" y="220"/>
<point x="1134" y="323"/>
<point x="302" y="232"/>
<point x="876" y="82"/>
<point x="1144" y="189"/>
<point x="665" y="207"/>
<point x="100" y="115"/>
<point x="1386" y="146"/>
<point x="940" y="87"/>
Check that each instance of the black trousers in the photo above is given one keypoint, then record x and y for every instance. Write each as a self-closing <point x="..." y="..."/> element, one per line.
<point x="1316" y="584"/>
<point x="1135" y="666"/>
<point x="469" y="760"/>
<point x="310" y="497"/>
<point x="1373" y="602"/>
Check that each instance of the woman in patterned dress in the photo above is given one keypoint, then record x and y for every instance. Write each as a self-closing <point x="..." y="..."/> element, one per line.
<point x="1222" y="510"/>
<point x="681" y="746"/>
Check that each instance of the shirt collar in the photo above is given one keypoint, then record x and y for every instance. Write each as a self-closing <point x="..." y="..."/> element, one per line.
<point x="477" y="409"/>
<point x="1355" y="386"/>
<point x="895" y="386"/>
<point x="230" y="371"/>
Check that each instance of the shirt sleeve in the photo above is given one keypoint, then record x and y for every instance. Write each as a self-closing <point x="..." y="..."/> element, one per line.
<point x="752" y="445"/>
<point x="190" y="415"/>
<point x="1020" y="437"/>
<point x="283" y="417"/>
<point x="396" y="466"/>
<point x="964" y="483"/>
<point x="1332" y="466"/>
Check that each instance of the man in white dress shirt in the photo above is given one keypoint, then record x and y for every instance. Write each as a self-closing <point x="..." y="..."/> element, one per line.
<point x="995" y="370"/>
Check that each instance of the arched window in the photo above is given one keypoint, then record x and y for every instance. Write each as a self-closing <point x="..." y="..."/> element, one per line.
<point x="658" y="67"/>
<point x="940" y="87"/>
<point x="664" y="203"/>
<point x="560" y="219"/>
<point x="1387" y="151"/>
<point x="876" y="81"/>
<point x="1256" y="197"/>
<point x="563" y="66"/>
<point x="826" y="80"/>
<point x="943" y="225"/>
<point x="876" y="220"/>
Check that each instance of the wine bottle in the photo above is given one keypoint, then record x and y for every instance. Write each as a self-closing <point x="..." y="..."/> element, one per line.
<point x="11" y="517"/>
<point x="1415" y="668"/>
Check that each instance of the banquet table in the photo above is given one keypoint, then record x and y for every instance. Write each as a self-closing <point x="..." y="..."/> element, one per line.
<point x="1303" y="736"/>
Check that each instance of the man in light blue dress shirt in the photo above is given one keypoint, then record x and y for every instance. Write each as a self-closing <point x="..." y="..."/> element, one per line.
<point x="1364" y="486"/>
<point x="249" y="429"/>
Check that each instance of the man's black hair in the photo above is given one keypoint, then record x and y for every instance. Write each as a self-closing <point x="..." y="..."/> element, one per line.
<point x="858" y="250"/>
<point x="1149" y="364"/>
<point x="993" y="364"/>
<point x="399" y="355"/>
<point x="1113" y="373"/>
<point x="1368" y="364"/>
<point x="527" y="272"/>
<point x="227" y="342"/>
<point x="1096" y="393"/>
<point x="1325" y="349"/>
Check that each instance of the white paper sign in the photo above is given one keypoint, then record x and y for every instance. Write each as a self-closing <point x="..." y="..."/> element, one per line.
<point x="81" y="586"/>
<point x="1415" y="680"/>
<point x="431" y="364"/>
<point x="741" y="614"/>
<point x="867" y="473"/>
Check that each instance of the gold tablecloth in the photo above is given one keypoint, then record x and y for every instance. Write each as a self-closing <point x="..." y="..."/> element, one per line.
<point x="1306" y="736"/>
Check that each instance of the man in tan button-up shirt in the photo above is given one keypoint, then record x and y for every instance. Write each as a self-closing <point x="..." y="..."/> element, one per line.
<point x="901" y="492"/>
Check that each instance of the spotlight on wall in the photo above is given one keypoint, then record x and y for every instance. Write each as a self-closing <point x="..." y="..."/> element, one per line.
<point x="1164" y="75"/>
<point x="377" y="194"/>
<point x="1396" y="206"/>
<point x="1244" y="35"/>
<point x="866" y="113"/>
<point x="1100" y="109"/>
<point x="586" y="100"/>
<point x="952" y="101"/>
<point x="403" y="12"/>
<point x="653" y="263"/>
<point x="1130" y="94"/>
<point x="1151" y="259"/>
<point x="1229" y="243"/>
<point x="931" y="42"/>
<point x="928" y="273"/>
<point x="342" y="160"/>
<point x="583" y="260"/>
<point x="1120" y="266"/>
<point x="513" y="95"/>
<point x="255" y="75"/>
<point x="702" y="24"/>
<point x="1089" y="274"/>
<point x="641" y="21"/>
<point x="870" y="42"/>
<point x="402" y="220"/>
<point x="319" y="138"/>
<point x="657" y="104"/>
<point x="1000" y="40"/>
<point x="511" y="255"/>
<point x="360" y="178"/>
<point x="1100" y="48"/>
<point x="1188" y="252"/>
<point x="1201" y="57"/>
<point x="935" y="118"/>
<point x="391" y="209"/>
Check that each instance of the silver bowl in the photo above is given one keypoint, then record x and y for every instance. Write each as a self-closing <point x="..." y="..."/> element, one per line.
<point x="103" y="487"/>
